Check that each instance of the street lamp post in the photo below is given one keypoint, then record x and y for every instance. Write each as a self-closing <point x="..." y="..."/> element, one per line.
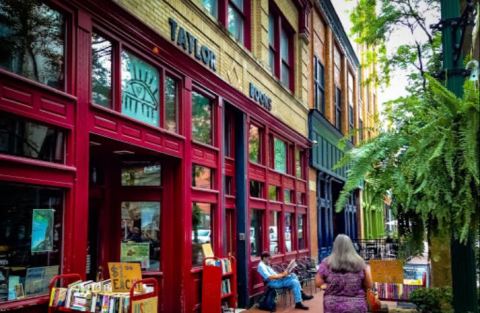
<point x="453" y="26"/>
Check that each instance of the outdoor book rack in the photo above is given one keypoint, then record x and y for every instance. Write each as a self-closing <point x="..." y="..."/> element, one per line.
<point x="219" y="283"/>
<point x="135" y="299"/>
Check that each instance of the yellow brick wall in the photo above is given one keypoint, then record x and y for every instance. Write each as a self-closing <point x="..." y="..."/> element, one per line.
<point x="236" y="64"/>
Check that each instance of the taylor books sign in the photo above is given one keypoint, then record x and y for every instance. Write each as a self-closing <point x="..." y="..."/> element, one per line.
<point x="190" y="44"/>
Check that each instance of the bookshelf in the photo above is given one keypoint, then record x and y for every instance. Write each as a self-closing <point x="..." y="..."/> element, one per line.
<point x="104" y="301"/>
<point x="219" y="284"/>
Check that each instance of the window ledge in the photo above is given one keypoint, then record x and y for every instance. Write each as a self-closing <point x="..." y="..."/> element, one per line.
<point x="23" y="303"/>
<point x="34" y="162"/>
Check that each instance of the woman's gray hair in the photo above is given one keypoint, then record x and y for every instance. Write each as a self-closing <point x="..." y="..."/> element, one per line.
<point x="344" y="257"/>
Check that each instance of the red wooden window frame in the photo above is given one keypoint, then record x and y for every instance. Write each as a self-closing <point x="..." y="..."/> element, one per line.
<point x="222" y="15"/>
<point x="119" y="45"/>
<point x="280" y="24"/>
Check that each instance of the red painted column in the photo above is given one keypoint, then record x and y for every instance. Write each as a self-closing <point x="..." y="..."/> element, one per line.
<point x="184" y="223"/>
<point x="76" y="216"/>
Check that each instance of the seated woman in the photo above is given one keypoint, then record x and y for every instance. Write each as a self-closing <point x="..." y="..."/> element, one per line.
<point x="345" y="278"/>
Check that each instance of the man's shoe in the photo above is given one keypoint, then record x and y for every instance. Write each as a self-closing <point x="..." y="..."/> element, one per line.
<point x="306" y="297"/>
<point x="299" y="305"/>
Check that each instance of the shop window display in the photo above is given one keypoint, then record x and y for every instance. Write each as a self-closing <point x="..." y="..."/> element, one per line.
<point x="30" y="239"/>
<point x="256" y="242"/>
<point x="288" y="232"/>
<point x="273" y="232"/>
<point x="300" y="231"/>
<point x="201" y="230"/>
<point x="32" y="41"/>
<point x="141" y="234"/>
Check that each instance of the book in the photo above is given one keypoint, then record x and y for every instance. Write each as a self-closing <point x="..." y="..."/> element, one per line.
<point x="291" y="266"/>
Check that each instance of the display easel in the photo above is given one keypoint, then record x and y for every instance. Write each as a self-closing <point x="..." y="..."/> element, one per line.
<point x="135" y="299"/>
<point x="214" y="279"/>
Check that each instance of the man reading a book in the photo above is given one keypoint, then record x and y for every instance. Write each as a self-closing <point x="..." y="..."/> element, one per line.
<point x="285" y="279"/>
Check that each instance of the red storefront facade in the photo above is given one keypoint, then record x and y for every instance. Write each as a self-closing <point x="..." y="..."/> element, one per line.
<point x="193" y="154"/>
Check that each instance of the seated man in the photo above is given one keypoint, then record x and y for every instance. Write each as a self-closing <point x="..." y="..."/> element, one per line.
<point x="282" y="280"/>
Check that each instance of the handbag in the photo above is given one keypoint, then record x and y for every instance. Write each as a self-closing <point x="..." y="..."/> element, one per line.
<point x="373" y="303"/>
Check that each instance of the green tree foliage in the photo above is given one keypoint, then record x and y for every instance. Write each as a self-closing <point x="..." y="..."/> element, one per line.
<point x="428" y="160"/>
<point x="374" y="22"/>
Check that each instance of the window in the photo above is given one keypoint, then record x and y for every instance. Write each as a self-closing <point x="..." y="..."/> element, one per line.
<point x="280" y="155"/>
<point x="31" y="227"/>
<point x="137" y="173"/>
<point x="287" y="196"/>
<point x="256" y="238"/>
<point x="236" y="19"/>
<point x="101" y="70"/>
<point x="33" y="48"/>
<point x="272" y="52"/>
<point x="229" y="133"/>
<point x="202" y="230"/>
<point x="171" y="104"/>
<point x="280" y="42"/>
<point x="273" y="232"/>
<point x="319" y="91"/>
<point x="285" y="58"/>
<point x="301" y="231"/>
<point x="256" y="189"/>
<point x="140" y="89"/>
<point x="338" y="108"/>
<point x="29" y="139"/>
<point x="351" y="118"/>
<point x="201" y="118"/>
<point x="211" y="6"/>
<point x="141" y="234"/>
<point x="229" y="189"/>
<point x="288" y="232"/>
<point x="202" y="177"/>
<point x="299" y="163"/>
<point x="301" y="198"/>
<point x="273" y="192"/>
<point x="254" y="144"/>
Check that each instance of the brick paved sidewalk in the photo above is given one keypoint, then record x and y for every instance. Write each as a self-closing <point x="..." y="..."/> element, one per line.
<point x="315" y="305"/>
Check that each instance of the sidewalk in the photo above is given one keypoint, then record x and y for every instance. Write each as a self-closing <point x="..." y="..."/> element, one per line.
<point x="315" y="305"/>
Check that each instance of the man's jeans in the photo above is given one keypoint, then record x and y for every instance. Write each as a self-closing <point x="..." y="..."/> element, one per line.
<point x="291" y="282"/>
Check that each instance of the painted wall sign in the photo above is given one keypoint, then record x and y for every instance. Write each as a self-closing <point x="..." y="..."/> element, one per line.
<point x="190" y="44"/>
<point x="260" y="97"/>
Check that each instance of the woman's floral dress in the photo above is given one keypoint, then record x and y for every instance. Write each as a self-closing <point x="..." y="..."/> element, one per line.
<point x="345" y="292"/>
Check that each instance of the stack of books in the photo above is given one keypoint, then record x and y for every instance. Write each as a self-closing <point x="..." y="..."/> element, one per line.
<point x="226" y="287"/>
<point x="226" y="266"/>
<point x="89" y="296"/>
<point x="399" y="292"/>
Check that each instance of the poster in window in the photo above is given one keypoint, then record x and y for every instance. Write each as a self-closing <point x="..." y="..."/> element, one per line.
<point x="38" y="278"/>
<point x="42" y="230"/>
<point x="35" y="135"/>
<point x="136" y="252"/>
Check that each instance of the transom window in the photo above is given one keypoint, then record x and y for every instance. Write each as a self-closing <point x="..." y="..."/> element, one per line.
<point x="254" y="144"/>
<point x="280" y="155"/>
<point x="33" y="48"/>
<point x="147" y="93"/>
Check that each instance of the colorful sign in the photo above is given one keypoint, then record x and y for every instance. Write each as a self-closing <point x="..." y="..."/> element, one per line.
<point x="387" y="271"/>
<point x="207" y="250"/>
<point x="136" y="252"/>
<point x="148" y="305"/>
<point x="123" y="275"/>
<point x="42" y="230"/>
